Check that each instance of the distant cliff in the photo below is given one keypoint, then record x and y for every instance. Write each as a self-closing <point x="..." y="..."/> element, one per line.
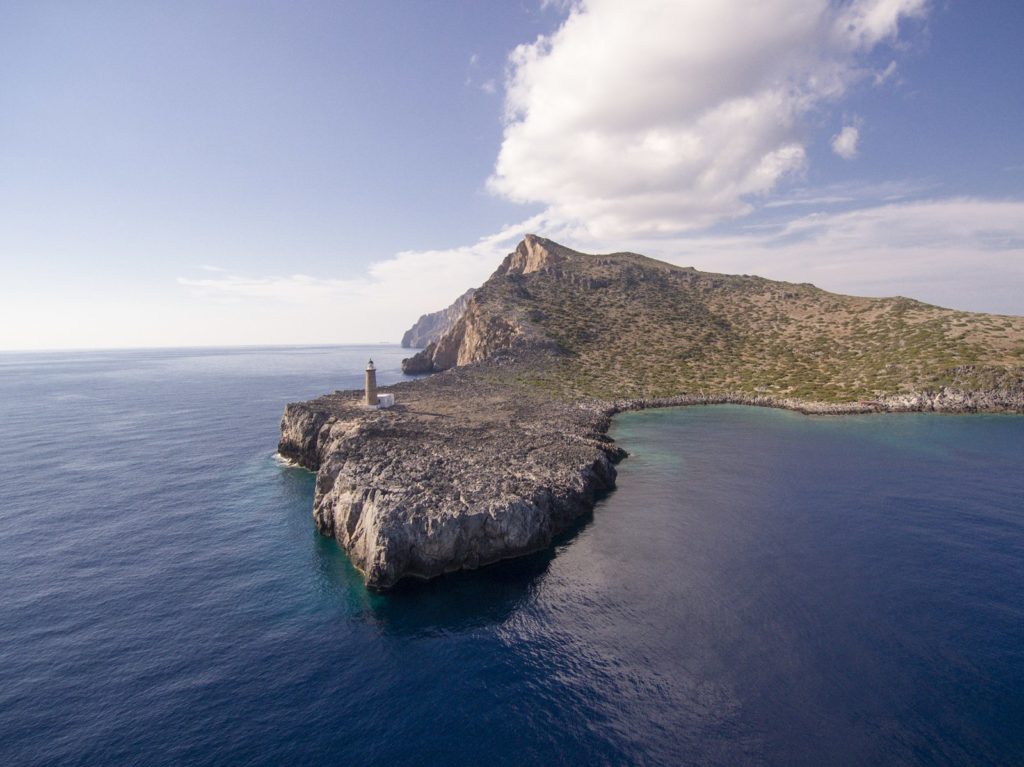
<point x="497" y="316"/>
<point x="430" y="327"/>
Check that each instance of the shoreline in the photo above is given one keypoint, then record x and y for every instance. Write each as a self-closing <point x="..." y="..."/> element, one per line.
<point x="469" y="469"/>
<point x="962" y="403"/>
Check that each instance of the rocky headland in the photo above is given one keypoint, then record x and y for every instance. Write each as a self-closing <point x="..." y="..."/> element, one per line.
<point x="465" y="470"/>
<point x="506" y="445"/>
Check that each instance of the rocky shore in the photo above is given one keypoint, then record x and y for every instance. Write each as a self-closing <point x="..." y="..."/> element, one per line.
<point x="467" y="470"/>
<point x="459" y="474"/>
<point x="942" y="400"/>
<point x="430" y="327"/>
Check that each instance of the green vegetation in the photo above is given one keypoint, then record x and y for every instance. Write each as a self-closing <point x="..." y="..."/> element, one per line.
<point x="634" y="327"/>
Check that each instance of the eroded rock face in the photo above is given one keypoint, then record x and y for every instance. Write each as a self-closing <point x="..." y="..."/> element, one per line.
<point x="475" y="335"/>
<point x="300" y="434"/>
<point x="489" y="323"/>
<point x="534" y="254"/>
<point x="461" y="473"/>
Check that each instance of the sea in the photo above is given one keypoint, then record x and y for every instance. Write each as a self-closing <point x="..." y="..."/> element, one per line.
<point x="763" y="588"/>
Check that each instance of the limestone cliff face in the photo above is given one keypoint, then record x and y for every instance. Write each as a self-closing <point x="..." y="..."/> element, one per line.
<point x="490" y="322"/>
<point x="300" y="434"/>
<point x="534" y="254"/>
<point x="430" y="327"/>
<point x="454" y="477"/>
<point x="476" y="335"/>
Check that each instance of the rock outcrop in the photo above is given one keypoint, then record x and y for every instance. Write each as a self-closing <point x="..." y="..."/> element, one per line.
<point x="942" y="400"/>
<point x="462" y="472"/>
<point x="430" y="327"/>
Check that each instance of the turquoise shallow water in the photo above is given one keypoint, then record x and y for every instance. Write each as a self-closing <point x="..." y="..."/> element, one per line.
<point x="763" y="588"/>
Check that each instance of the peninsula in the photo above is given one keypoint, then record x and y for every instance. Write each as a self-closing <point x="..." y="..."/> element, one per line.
<point x="505" y="445"/>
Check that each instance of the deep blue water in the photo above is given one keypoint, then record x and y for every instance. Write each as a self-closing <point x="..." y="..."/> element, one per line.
<point x="763" y="588"/>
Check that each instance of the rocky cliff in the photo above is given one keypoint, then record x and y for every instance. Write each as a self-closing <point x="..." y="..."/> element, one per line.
<point x="501" y="451"/>
<point x="491" y="322"/>
<point x="464" y="471"/>
<point x="430" y="327"/>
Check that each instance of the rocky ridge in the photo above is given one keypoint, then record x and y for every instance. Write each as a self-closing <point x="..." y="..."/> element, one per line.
<point x="507" y="446"/>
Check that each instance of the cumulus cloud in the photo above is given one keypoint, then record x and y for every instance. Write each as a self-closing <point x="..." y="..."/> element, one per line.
<point x="652" y="117"/>
<point x="845" y="142"/>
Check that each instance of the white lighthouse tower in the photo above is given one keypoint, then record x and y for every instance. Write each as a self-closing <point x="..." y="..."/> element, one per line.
<point x="371" y="385"/>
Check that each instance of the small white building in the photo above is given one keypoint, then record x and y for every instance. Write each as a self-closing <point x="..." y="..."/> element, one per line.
<point x="385" y="400"/>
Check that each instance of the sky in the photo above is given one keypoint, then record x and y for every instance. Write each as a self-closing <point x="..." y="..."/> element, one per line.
<point x="307" y="172"/>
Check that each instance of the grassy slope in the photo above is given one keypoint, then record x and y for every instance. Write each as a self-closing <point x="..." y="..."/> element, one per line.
<point x="632" y="326"/>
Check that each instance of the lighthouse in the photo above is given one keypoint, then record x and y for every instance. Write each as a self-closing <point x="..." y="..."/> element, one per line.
<point x="371" y="385"/>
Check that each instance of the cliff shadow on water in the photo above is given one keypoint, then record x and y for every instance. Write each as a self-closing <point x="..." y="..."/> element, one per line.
<point x="454" y="602"/>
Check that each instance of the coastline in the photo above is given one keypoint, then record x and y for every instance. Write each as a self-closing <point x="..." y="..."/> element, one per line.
<point x="469" y="469"/>
<point x="948" y="401"/>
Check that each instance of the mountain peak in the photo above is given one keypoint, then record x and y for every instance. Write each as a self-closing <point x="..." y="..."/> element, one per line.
<point x="536" y="254"/>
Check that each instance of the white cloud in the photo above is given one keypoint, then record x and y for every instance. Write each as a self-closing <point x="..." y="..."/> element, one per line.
<point x="965" y="253"/>
<point x="377" y="306"/>
<point x="885" y="74"/>
<point x="296" y="288"/>
<point x="638" y="124"/>
<point x="652" y="117"/>
<point x="845" y="142"/>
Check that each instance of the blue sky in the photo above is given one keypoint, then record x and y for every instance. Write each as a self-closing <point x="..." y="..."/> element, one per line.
<point x="316" y="172"/>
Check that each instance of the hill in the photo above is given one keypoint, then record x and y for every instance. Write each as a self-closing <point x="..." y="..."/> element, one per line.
<point x="627" y="326"/>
